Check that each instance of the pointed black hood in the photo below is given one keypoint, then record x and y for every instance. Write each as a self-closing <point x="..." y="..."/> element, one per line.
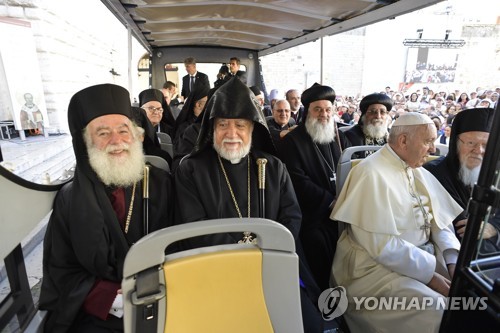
<point x="234" y="100"/>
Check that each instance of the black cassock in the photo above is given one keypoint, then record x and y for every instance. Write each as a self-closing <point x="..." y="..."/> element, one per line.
<point x="203" y="193"/>
<point x="310" y="168"/>
<point x="85" y="243"/>
<point x="441" y="169"/>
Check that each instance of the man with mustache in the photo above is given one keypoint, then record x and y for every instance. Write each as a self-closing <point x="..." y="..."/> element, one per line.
<point x="98" y="216"/>
<point x="311" y="152"/>
<point x="371" y="129"/>
<point x="459" y="170"/>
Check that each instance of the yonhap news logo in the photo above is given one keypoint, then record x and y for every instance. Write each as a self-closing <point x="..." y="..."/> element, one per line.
<point x="333" y="303"/>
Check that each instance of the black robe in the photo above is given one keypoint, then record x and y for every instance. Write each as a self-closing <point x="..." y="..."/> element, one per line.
<point x="275" y="129"/>
<point x="356" y="137"/>
<point x="311" y="178"/>
<point x="441" y="169"/>
<point x="84" y="242"/>
<point x="202" y="193"/>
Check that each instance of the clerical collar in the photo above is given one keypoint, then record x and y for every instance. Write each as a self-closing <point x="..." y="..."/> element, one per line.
<point x="235" y="161"/>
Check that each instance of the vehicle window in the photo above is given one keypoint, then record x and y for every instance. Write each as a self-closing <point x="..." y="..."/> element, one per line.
<point x="174" y="72"/>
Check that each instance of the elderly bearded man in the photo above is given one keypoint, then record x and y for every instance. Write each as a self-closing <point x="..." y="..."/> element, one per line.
<point x="311" y="152"/>
<point x="219" y="179"/>
<point x="397" y="229"/>
<point x="459" y="170"/>
<point x="371" y="129"/>
<point x="98" y="216"/>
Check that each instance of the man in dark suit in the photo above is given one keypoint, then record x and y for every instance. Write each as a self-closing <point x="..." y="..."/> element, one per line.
<point x="192" y="78"/>
<point x="234" y="69"/>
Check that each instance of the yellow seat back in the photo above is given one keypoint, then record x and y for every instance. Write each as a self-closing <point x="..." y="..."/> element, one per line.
<point x="216" y="292"/>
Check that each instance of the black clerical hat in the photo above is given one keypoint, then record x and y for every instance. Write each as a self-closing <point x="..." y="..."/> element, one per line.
<point x="96" y="101"/>
<point x="256" y="91"/>
<point x="470" y="120"/>
<point x="473" y="120"/>
<point x="149" y="95"/>
<point x="375" y="98"/>
<point x="234" y="100"/>
<point x="317" y="92"/>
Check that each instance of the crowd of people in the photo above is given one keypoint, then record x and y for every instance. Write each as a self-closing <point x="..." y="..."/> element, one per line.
<point x="398" y="240"/>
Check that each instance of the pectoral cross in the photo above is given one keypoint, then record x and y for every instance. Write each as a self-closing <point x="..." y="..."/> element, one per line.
<point x="333" y="177"/>
<point x="247" y="238"/>
<point x="426" y="226"/>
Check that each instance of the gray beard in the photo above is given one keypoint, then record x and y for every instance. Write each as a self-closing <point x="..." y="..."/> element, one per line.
<point x="468" y="176"/>
<point x="375" y="131"/>
<point x="118" y="171"/>
<point x="233" y="156"/>
<point x="320" y="133"/>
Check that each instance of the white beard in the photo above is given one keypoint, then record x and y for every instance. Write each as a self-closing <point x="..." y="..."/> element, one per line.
<point x="119" y="171"/>
<point x="378" y="131"/>
<point x="320" y="133"/>
<point x="233" y="155"/>
<point x="468" y="176"/>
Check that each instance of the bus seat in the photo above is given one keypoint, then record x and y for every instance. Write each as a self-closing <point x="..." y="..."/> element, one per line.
<point x="164" y="137"/>
<point x="158" y="162"/>
<point x="442" y="148"/>
<point x="222" y="288"/>
<point x="168" y="147"/>
<point x="346" y="163"/>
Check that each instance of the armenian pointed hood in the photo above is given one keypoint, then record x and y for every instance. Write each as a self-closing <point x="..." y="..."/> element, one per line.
<point x="234" y="100"/>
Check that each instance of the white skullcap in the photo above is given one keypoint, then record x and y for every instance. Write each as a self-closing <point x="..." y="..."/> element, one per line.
<point x="411" y="119"/>
<point x="274" y="94"/>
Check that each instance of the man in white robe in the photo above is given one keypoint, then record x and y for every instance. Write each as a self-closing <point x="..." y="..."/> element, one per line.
<point x="393" y="209"/>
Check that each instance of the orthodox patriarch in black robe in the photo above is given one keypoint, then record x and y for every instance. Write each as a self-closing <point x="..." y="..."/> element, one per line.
<point x="312" y="170"/>
<point x="85" y="244"/>
<point x="446" y="169"/>
<point x="355" y="135"/>
<point x="203" y="192"/>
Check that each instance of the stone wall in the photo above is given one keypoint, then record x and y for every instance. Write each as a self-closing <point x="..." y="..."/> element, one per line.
<point x="78" y="43"/>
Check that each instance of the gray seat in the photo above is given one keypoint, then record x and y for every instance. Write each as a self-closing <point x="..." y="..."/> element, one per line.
<point x="157" y="162"/>
<point x="223" y="288"/>
<point x="346" y="163"/>
<point x="442" y="149"/>
<point x="168" y="147"/>
<point x="164" y="137"/>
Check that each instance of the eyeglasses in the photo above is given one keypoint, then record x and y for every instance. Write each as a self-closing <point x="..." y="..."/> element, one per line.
<point x="473" y="145"/>
<point x="154" y="110"/>
<point x="374" y="112"/>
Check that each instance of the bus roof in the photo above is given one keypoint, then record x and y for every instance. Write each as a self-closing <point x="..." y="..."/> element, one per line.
<point x="265" y="26"/>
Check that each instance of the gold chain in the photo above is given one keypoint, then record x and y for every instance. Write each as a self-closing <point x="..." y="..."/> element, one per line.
<point x="231" y="189"/>
<point x="130" y="208"/>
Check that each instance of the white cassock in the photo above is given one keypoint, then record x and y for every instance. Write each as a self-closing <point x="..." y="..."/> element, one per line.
<point x="378" y="254"/>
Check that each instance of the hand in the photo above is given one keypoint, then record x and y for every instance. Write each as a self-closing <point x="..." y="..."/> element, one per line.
<point x="489" y="231"/>
<point x="440" y="284"/>
<point x="119" y="291"/>
<point x="451" y="270"/>
<point x="460" y="227"/>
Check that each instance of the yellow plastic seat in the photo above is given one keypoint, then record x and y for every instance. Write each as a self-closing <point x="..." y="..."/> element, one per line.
<point x="224" y="288"/>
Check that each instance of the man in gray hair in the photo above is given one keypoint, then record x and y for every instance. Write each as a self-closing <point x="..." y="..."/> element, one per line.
<point x="397" y="229"/>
